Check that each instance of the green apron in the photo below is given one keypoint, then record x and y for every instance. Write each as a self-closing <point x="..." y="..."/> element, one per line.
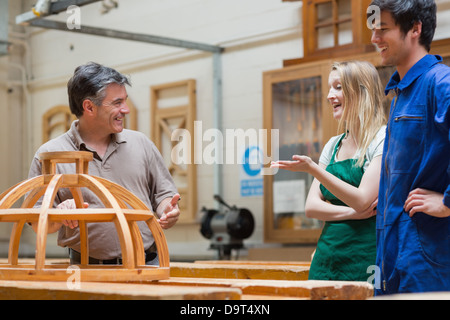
<point x="345" y="248"/>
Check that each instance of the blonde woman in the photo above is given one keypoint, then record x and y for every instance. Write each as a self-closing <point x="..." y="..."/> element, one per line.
<point x="345" y="189"/>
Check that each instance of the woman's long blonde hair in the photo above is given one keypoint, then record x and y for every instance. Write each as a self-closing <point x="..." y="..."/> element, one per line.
<point x="363" y="113"/>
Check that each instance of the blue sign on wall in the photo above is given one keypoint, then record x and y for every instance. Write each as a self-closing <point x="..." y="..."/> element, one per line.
<point x="251" y="180"/>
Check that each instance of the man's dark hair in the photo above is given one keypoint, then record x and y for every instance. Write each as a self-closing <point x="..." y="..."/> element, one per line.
<point x="407" y="12"/>
<point x="90" y="81"/>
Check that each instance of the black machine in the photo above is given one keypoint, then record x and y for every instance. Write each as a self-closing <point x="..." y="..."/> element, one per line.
<point x="228" y="229"/>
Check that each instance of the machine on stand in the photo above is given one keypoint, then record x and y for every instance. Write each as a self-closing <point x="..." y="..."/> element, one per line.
<point x="227" y="229"/>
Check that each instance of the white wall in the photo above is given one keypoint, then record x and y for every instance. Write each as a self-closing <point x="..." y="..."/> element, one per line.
<point x="13" y="103"/>
<point x="257" y="35"/>
<point x="443" y="19"/>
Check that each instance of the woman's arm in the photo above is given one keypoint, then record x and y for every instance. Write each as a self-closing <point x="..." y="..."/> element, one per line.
<point x="318" y="208"/>
<point x="360" y="199"/>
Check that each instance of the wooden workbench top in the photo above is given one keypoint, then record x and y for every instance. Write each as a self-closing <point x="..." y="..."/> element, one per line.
<point x="48" y="290"/>
<point x="310" y="289"/>
<point x="221" y="280"/>
<point x="238" y="271"/>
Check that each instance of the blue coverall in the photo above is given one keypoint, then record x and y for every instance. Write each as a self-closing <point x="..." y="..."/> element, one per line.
<point x="413" y="253"/>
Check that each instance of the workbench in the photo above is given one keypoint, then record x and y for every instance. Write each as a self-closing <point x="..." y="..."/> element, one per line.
<point x="43" y="278"/>
<point x="201" y="280"/>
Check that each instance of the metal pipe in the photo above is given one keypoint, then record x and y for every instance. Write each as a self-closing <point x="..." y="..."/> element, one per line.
<point x="57" y="25"/>
<point x="217" y="115"/>
<point x="4" y="18"/>
<point x="55" y="7"/>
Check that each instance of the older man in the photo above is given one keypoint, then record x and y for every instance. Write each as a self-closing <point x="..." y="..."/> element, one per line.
<point x="97" y="96"/>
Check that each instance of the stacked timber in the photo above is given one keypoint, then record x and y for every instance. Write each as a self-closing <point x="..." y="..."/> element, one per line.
<point x="202" y="280"/>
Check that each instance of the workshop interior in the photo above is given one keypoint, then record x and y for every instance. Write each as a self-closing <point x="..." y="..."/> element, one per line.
<point x="221" y="88"/>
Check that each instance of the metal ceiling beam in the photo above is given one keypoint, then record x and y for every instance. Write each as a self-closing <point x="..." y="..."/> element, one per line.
<point x="55" y="8"/>
<point x="56" y="25"/>
<point x="29" y="18"/>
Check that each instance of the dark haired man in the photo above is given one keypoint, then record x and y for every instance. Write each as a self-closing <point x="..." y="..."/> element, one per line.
<point x="97" y="96"/>
<point x="413" y="223"/>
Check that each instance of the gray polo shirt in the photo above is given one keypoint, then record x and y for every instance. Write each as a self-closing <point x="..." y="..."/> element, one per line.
<point x="131" y="160"/>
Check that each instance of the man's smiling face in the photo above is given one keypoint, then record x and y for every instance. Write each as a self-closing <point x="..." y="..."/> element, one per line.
<point x="391" y="42"/>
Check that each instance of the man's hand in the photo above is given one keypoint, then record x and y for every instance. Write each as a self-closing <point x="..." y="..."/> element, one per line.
<point x="170" y="213"/>
<point x="55" y="226"/>
<point x="70" y="204"/>
<point x="426" y="201"/>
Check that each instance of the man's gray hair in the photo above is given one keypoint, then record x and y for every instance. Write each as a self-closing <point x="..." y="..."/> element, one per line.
<point x="90" y="81"/>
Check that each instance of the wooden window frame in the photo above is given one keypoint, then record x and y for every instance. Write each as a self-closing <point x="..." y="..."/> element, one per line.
<point x="360" y="33"/>
<point x="159" y="127"/>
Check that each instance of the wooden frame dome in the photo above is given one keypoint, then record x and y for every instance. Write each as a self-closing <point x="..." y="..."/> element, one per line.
<point x="117" y="201"/>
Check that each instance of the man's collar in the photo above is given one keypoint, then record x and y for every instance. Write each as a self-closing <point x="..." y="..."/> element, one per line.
<point x="416" y="71"/>
<point x="118" y="137"/>
<point x="75" y="136"/>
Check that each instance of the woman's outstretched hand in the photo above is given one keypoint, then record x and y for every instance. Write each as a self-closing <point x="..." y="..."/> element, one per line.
<point x="298" y="163"/>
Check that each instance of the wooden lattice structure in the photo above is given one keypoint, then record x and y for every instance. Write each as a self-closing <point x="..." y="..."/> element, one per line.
<point x="117" y="201"/>
<point x="173" y="107"/>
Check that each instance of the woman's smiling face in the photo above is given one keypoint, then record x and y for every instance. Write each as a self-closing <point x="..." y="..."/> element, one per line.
<point x="335" y="95"/>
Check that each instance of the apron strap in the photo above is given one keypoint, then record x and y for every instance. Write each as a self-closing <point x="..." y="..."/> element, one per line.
<point x="333" y="157"/>
<point x="336" y="148"/>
